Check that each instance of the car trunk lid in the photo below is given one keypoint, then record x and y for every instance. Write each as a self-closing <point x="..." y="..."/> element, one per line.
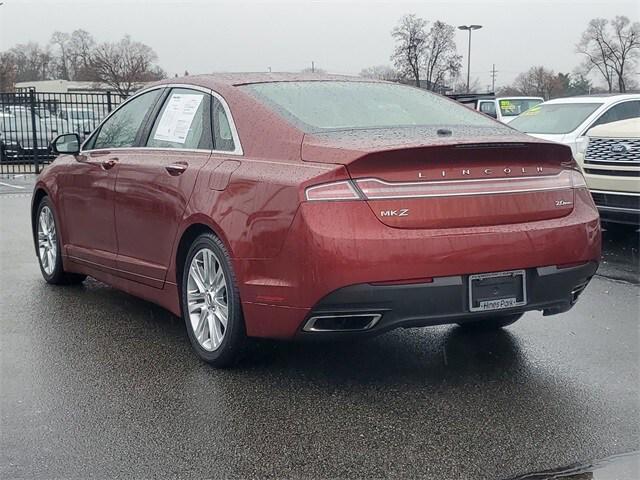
<point x="445" y="182"/>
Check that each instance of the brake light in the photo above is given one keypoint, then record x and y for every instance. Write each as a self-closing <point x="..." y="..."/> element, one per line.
<point x="343" y="190"/>
<point x="376" y="189"/>
<point x="577" y="179"/>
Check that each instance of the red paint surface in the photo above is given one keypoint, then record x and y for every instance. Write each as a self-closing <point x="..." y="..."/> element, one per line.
<point x="123" y="224"/>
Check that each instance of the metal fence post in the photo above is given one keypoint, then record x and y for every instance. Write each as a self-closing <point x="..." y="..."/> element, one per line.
<point x="108" y="102"/>
<point x="32" y="102"/>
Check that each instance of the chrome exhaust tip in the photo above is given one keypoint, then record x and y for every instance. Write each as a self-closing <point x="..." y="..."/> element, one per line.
<point x="575" y="293"/>
<point x="352" y="322"/>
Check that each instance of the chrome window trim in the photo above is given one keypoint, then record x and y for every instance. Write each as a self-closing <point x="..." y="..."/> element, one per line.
<point x="232" y="124"/>
<point x="137" y="149"/>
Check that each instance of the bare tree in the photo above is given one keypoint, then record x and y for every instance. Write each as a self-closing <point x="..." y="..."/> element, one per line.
<point x="537" y="81"/>
<point x="460" y="85"/>
<point x="442" y="62"/>
<point x="625" y="47"/>
<point x="380" y="72"/>
<point x="610" y="51"/>
<point x="313" y="70"/>
<point x="7" y="72"/>
<point x="60" y="40"/>
<point x="124" y="64"/>
<point x="32" y="62"/>
<point x="411" y="37"/>
<point x="81" y="45"/>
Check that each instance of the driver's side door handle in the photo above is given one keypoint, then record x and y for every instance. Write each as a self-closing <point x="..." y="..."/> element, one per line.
<point x="177" y="168"/>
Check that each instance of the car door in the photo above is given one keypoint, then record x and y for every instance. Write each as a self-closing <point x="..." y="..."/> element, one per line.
<point x="154" y="184"/>
<point x="87" y="190"/>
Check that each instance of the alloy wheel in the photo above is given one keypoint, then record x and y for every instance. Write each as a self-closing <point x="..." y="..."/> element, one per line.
<point x="47" y="240"/>
<point x="207" y="299"/>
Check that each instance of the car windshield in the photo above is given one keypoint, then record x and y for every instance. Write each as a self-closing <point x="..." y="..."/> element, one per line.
<point x="512" y="107"/>
<point x="329" y="105"/>
<point x="554" y="118"/>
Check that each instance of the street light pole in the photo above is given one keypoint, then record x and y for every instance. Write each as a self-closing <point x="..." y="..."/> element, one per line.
<point x="469" y="28"/>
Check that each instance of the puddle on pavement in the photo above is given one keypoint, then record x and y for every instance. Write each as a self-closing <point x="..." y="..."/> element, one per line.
<point x="617" y="467"/>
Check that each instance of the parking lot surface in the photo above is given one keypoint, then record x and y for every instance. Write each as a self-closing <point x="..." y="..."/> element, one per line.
<point x="96" y="383"/>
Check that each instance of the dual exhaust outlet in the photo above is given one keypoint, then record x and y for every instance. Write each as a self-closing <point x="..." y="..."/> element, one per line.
<point x="351" y="322"/>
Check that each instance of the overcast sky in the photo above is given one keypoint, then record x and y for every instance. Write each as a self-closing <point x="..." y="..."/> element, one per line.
<point x="340" y="36"/>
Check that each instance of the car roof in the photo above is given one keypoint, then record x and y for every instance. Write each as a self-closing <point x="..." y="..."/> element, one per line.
<point x="603" y="98"/>
<point x="215" y="81"/>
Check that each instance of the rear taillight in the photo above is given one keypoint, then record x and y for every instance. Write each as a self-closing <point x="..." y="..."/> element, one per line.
<point x="376" y="189"/>
<point x="577" y="179"/>
<point x="343" y="190"/>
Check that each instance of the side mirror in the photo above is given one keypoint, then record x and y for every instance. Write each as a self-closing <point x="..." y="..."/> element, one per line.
<point x="68" y="143"/>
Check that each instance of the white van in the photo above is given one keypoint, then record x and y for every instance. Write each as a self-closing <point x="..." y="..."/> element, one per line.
<point x="503" y="109"/>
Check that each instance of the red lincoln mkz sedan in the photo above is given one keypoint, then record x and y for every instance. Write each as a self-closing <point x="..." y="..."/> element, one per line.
<point x="283" y="206"/>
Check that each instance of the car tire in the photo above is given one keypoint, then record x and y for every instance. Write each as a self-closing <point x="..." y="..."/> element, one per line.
<point x="491" y="323"/>
<point x="48" y="247"/>
<point x="209" y="292"/>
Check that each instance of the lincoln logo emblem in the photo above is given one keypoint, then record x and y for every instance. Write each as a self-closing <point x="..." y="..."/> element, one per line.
<point x="465" y="172"/>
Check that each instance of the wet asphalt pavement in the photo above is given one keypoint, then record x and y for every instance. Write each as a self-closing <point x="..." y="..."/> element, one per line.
<point x="96" y="383"/>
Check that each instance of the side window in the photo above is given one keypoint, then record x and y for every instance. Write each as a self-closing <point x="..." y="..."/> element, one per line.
<point x="489" y="108"/>
<point x="183" y="121"/>
<point x="121" y="129"/>
<point x="621" y="111"/>
<point x="222" y="136"/>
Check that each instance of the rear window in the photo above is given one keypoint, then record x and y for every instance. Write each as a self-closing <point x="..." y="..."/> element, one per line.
<point x="333" y="105"/>
<point x="554" y="118"/>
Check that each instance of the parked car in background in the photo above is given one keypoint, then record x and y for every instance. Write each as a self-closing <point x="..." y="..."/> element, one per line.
<point x="82" y="120"/>
<point x="503" y="109"/>
<point x="238" y="204"/>
<point x="567" y="120"/>
<point x="611" y="166"/>
<point x="17" y="138"/>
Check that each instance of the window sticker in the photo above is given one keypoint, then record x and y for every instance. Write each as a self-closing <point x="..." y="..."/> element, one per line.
<point x="177" y="117"/>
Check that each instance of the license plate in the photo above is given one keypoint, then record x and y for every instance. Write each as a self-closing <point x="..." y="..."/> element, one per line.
<point x="497" y="291"/>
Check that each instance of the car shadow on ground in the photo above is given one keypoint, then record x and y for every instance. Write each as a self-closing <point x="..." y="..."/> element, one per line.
<point x="432" y="354"/>
<point x="620" y="253"/>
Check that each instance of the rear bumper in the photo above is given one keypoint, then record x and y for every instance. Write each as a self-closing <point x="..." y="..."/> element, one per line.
<point x="445" y="300"/>
<point x="334" y="251"/>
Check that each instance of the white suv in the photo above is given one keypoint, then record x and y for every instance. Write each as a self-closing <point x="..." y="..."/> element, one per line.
<point x="567" y="120"/>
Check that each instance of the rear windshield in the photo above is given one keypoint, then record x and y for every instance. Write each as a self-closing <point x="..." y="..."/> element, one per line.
<point x="512" y="107"/>
<point x="333" y="105"/>
<point x="554" y="118"/>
